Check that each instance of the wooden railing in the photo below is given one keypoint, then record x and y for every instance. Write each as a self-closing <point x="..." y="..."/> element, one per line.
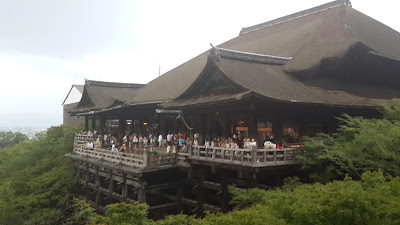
<point x="82" y="138"/>
<point x="249" y="157"/>
<point x="131" y="160"/>
<point x="144" y="160"/>
<point x="246" y="157"/>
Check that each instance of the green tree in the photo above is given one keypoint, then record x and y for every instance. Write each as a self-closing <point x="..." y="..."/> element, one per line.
<point x="359" y="145"/>
<point x="8" y="139"/>
<point x="38" y="178"/>
<point x="123" y="214"/>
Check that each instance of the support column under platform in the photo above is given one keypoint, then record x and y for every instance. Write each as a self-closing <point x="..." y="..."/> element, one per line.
<point x="190" y="188"/>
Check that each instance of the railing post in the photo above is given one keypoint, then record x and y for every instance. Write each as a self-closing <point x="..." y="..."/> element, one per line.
<point x="145" y="157"/>
<point x="284" y="155"/>
<point x="176" y="156"/>
<point x="275" y="155"/>
<point x="265" y="156"/>
<point x="253" y="153"/>
<point x="190" y="151"/>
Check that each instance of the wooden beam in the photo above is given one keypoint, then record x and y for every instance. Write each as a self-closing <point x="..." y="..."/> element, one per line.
<point x="163" y="206"/>
<point x="141" y="191"/>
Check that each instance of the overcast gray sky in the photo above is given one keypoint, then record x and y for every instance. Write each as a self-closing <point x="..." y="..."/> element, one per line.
<point x="47" y="45"/>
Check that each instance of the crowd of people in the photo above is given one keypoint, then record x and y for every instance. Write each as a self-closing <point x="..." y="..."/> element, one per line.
<point x="172" y="142"/>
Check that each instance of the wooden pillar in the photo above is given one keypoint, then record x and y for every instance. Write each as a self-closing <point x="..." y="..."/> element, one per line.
<point x="86" y="123"/>
<point x="192" y="125"/>
<point x="97" y="183"/>
<point x="253" y="179"/>
<point x="124" y="187"/>
<point x="87" y="180"/>
<point x="142" y="191"/>
<point x="252" y="125"/>
<point x="202" y="130"/>
<point x="121" y="129"/>
<point x="209" y="127"/>
<point x="179" y="194"/>
<point x="225" y="193"/>
<point x="78" y="172"/>
<point x="110" y="186"/>
<point x="102" y="122"/>
<point x="146" y="158"/>
<point x="200" y="195"/>
<point x="93" y="123"/>
<point x="175" y="126"/>
<point x="226" y="125"/>
<point x="162" y="126"/>
<point x="277" y="130"/>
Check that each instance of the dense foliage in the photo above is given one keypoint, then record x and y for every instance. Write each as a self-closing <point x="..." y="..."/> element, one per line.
<point x="359" y="145"/>
<point x="36" y="179"/>
<point x="375" y="199"/>
<point x="8" y="138"/>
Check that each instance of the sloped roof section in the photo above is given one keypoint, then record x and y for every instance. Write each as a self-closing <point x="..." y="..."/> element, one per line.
<point x="272" y="83"/>
<point x="101" y="95"/>
<point x="308" y="38"/>
<point x="268" y="82"/>
<point x="296" y="15"/>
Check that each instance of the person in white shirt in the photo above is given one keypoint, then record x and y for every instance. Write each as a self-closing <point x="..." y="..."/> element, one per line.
<point x="269" y="145"/>
<point x="247" y="143"/>
<point x="169" y="138"/>
<point x="135" y="141"/>
<point x="253" y="143"/>
<point x="160" y="140"/>
<point x="113" y="149"/>
<point x="90" y="144"/>
<point x="141" y="141"/>
<point x="125" y="139"/>
<point x="206" y="144"/>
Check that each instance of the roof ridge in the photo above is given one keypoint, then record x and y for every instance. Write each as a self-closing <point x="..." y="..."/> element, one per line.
<point x="296" y="15"/>
<point x="112" y="84"/>
<point x="248" y="56"/>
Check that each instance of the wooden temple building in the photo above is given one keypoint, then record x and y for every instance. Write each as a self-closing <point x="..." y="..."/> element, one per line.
<point x="70" y="102"/>
<point x="281" y="80"/>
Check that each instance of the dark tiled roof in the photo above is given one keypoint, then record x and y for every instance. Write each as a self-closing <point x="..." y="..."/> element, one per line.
<point x="271" y="83"/>
<point x="293" y="16"/>
<point x="101" y="95"/>
<point x="324" y="32"/>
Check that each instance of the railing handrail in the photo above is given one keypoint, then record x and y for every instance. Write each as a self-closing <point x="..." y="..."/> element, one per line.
<point x="246" y="149"/>
<point x="247" y="156"/>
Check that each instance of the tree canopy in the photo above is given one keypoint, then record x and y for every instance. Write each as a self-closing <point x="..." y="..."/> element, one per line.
<point x="36" y="179"/>
<point x="359" y="145"/>
<point x="8" y="138"/>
